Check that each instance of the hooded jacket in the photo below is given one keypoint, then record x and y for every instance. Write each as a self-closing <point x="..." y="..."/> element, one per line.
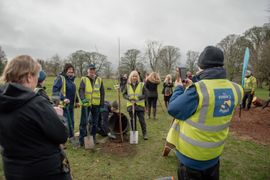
<point x="30" y="133"/>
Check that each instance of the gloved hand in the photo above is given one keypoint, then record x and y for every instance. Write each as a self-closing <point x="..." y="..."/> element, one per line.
<point x="85" y="101"/>
<point x="132" y="100"/>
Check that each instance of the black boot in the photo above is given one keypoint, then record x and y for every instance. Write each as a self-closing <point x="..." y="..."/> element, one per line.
<point x="145" y="137"/>
<point x="149" y="113"/>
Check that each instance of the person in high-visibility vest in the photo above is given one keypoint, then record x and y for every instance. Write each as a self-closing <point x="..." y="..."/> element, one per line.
<point x="65" y="87"/>
<point x="92" y="94"/>
<point x="249" y="89"/>
<point x="135" y="94"/>
<point x="202" y="113"/>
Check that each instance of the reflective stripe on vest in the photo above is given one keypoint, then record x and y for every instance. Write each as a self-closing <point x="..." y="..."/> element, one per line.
<point x="202" y="136"/>
<point x="135" y="95"/>
<point x="63" y="90"/>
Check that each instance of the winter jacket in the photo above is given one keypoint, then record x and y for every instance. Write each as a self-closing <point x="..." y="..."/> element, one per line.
<point x="152" y="90"/>
<point x="30" y="134"/>
<point x="70" y="89"/>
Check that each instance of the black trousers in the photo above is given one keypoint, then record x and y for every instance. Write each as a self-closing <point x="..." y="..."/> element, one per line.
<point x="140" y="115"/>
<point x="247" y="96"/>
<point x="186" y="173"/>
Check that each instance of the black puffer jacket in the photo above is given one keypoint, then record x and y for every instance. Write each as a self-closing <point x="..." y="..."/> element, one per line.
<point x="30" y="134"/>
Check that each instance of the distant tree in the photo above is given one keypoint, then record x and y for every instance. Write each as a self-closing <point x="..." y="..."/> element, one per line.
<point x="192" y="59"/>
<point x="98" y="59"/>
<point x="266" y="61"/>
<point x="168" y="55"/>
<point x="81" y="59"/>
<point x="131" y="61"/>
<point x="259" y="37"/>
<point x="3" y="60"/>
<point x="233" y="47"/>
<point x="107" y="70"/>
<point x="42" y="63"/>
<point x="153" y="49"/>
<point x="54" y="66"/>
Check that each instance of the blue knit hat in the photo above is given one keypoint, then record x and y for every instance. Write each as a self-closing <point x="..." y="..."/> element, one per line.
<point x="42" y="76"/>
<point x="92" y="66"/>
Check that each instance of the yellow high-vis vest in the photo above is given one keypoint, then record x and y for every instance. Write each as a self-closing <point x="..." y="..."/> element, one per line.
<point x="63" y="90"/>
<point x="202" y="136"/>
<point x="250" y="84"/>
<point x="135" y="94"/>
<point x="92" y="93"/>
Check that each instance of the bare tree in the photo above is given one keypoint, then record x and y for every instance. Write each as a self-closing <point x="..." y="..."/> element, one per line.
<point x="233" y="48"/>
<point x="130" y="61"/>
<point x="3" y="60"/>
<point x="168" y="55"/>
<point x="107" y="70"/>
<point x="258" y="36"/>
<point x="153" y="49"/>
<point x="192" y="59"/>
<point x="54" y="65"/>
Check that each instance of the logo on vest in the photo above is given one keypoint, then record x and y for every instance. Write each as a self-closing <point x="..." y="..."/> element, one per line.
<point x="224" y="102"/>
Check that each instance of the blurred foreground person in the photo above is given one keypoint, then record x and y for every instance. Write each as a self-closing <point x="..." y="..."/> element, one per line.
<point x="202" y="117"/>
<point x="30" y="127"/>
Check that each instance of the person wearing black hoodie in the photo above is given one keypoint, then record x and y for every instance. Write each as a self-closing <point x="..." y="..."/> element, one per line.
<point x="30" y="127"/>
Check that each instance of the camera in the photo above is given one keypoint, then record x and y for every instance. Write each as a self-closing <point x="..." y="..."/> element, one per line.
<point x="182" y="73"/>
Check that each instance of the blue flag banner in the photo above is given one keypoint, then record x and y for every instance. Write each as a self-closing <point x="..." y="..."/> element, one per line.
<point x="245" y="65"/>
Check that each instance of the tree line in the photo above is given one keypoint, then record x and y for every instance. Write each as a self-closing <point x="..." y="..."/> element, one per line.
<point x="164" y="58"/>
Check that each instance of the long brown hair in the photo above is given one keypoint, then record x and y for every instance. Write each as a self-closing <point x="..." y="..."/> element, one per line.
<point x="18" y="69"/>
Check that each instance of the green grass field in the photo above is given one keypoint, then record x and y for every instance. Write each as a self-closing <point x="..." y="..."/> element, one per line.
<point x="241" y="159"/>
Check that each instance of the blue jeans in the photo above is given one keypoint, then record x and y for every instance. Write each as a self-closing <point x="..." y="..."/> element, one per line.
<point x="69" y="115"/>
<point x="88" y="115"/>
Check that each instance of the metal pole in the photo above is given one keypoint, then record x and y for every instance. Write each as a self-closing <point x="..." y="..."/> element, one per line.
<point x="119" y="99"/>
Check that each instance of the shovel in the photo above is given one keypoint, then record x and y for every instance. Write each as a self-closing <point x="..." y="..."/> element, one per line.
<point x="88" y="139"/>
<point x="133" y="138"/>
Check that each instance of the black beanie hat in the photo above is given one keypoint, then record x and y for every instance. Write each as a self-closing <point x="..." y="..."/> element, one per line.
<point x="211" y="57"/>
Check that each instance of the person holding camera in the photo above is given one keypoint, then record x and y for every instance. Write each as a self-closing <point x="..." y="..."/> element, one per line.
<point x="31" y="129"/>
<point x="202" y="115"/>
<point x="167" y="90"/>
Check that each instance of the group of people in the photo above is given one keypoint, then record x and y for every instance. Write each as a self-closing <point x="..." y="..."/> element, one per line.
<point x="202" y="108"/>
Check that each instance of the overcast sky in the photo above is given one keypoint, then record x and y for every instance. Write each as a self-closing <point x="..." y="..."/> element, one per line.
<point x="42" y="28"/>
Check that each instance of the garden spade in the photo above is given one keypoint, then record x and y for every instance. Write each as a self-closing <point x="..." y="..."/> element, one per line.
<point x="133" y="138"/>
<point x="88" y="139"/>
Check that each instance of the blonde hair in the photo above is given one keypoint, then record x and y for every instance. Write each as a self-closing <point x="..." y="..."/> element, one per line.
<point x="132" y="74"/>
<point x="154" y="78"/>
<point x="18" y="69"/>
<point x="167" y="77"/>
